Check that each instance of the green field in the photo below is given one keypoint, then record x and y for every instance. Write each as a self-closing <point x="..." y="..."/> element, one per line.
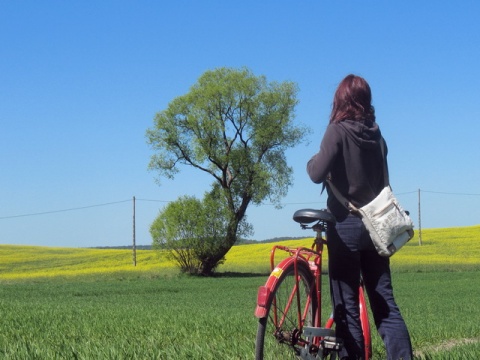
<point x="64" y="303"/>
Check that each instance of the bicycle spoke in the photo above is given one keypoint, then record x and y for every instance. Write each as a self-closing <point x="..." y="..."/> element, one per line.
<point x="279" y="335"/>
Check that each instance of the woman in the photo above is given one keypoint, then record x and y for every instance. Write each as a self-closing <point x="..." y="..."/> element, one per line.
<point x="350" y="153"/>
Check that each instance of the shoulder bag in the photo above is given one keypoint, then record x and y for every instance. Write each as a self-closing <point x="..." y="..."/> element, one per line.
<point x="388" y="224"/>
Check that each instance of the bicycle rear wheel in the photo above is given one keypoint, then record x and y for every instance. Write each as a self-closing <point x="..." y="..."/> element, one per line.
<point x="367" y="338"/>
<point x="279" y="334"/>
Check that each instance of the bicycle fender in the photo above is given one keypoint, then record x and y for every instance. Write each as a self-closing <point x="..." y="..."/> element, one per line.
<point x="265" y="291"/>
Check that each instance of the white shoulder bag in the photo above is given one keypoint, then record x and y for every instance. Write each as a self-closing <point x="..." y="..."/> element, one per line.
<point x="388" y="224"/>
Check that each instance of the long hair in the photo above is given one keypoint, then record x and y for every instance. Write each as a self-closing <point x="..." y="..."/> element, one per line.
<point x="352" y="100"/>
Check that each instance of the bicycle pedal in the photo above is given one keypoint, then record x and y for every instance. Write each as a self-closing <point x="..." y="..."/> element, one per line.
<point x="332" y="343"/>
<point x="318" y="331"/>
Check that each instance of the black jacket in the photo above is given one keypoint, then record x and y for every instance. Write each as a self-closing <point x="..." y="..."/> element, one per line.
<point x="350" y="151"/>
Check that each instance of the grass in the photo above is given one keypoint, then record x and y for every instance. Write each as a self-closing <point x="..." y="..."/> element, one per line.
<point x="204" y="318"/>
<point x="172" y="318"/>
<point x="63" y="303"/>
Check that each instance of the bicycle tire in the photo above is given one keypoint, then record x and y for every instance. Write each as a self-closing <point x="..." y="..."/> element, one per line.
<point x="365" y="322"/>
<point x="282" y="345"/>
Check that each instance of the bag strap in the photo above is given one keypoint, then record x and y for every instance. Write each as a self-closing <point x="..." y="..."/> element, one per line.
<point x="342" y="199"/>
<point x="386" y="179"/>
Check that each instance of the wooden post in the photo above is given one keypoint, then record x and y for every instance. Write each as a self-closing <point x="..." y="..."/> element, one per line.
<point x="134" y="245"/>
<point x="419" y="221"/>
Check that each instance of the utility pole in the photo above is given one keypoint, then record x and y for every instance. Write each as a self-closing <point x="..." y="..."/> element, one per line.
<point x="419" y="221"/>
<point x="134" y="245"/>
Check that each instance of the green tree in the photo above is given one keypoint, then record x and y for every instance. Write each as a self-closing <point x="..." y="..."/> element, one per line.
<point x="193" y="231"/>
<point x="236" y="127"/>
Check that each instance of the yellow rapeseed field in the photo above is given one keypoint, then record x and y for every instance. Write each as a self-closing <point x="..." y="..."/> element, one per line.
<point x="28" y="262"/>
<point x="446" y="249"/>
<point x="449" y="249"/>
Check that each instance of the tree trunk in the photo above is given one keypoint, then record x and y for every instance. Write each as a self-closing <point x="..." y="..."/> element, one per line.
<point x="209" y="265"/>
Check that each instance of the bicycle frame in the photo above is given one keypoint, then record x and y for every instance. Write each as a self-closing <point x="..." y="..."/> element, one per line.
<point x="314" y="336"/>
<point x="311" y="257"/>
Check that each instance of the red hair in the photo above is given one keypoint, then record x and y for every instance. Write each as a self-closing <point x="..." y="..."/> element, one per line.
<point x="352" y="100"/>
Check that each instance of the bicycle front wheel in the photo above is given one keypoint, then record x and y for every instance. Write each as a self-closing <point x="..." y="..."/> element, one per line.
<point x="291" y="306"/>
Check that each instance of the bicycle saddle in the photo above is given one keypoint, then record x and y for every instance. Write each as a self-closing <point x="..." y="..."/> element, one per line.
<point x="306" y="216"/>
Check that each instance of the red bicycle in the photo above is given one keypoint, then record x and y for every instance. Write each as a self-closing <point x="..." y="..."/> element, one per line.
<point x="289" y="305"/>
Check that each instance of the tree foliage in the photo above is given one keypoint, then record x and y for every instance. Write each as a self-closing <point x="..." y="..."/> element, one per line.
<point x="193" y="230"/>
<point x="236" y="127"/>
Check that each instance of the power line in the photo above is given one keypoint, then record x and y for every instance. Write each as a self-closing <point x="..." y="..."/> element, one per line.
<point x="264" y="204"/>
<point x="294" y="203"/>
<point x="152" y="200"/>
<point x="408" y="192"/>
<point x="449" y="193"/>
<point x="63" y="210"/>
<point x="168" y="201"/>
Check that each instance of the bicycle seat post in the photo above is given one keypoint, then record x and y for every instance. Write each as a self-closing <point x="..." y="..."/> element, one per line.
<point x="319" y="229"/>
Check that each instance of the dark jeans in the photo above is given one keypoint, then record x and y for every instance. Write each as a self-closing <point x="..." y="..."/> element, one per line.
<point x="351" y="253"/>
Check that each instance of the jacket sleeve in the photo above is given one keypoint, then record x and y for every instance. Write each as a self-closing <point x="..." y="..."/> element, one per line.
<point x="320" y="165"/>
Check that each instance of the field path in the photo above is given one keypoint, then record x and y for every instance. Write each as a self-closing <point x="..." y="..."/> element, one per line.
<point x="444" y="346"/>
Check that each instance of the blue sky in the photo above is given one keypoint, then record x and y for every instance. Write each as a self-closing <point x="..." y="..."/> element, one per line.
<point x="80" y="82"/>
